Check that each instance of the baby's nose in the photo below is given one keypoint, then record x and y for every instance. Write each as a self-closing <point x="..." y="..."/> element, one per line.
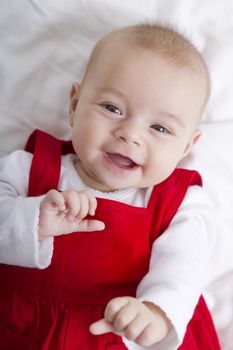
<point x="129" y="132"/>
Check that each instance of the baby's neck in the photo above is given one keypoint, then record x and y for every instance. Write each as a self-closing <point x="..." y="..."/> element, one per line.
<point x="90" y="181"/>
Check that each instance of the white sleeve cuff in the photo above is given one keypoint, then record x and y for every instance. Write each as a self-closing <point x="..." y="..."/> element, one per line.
<point x="19" y="242"/>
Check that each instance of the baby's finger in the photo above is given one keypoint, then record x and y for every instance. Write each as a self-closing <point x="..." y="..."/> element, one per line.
<point x="90" y="225"/>
<point x="136" y="328"/>
<point x="73" y="205"/>
<point x="55" y="199"/>
<point x="92" y="203"/>
<point x="84" y="204"/>
<point x="149" y="336"/>
<point x="114" y="306"/>
<point x="100" y="327"/>
<point x="125" y="316"/>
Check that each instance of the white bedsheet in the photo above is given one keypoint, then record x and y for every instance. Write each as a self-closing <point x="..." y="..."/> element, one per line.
<point x="44" y="47"/>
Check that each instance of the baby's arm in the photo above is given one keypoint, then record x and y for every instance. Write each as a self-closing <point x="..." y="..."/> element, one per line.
<point x="143" y="323"/>
<point x="19" y="216"/>
<point x="177" y="271"/>
<point x="179" y="263"/>
<point x="65" y="212"/>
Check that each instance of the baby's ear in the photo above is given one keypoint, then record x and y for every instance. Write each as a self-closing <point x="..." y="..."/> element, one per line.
<point x="194" y="139"/>
<point x="74" y="91"/>
<point x="196" y="136"/>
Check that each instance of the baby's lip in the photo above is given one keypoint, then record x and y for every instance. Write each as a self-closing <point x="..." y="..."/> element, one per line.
<point x="122" y="160"/>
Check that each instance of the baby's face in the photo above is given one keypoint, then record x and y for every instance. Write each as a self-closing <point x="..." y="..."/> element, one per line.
<point x="135" y="118"/>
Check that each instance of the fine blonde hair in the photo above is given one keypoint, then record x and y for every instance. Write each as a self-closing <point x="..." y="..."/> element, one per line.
<point x="162" y="39"/>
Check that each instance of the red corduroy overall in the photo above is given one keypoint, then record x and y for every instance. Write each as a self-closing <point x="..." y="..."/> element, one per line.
<point x="52" y="309"/>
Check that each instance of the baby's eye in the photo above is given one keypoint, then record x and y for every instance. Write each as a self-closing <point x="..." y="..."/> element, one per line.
<point x="160" y="128"/>
<point x="113" y="109"/>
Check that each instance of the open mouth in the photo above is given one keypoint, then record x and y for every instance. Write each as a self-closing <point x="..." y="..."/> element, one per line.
<point x="122" y="161"/>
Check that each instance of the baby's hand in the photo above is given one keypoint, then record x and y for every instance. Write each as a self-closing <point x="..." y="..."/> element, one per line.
<point x="64" y="212"/>
<point x="143" y="323"/>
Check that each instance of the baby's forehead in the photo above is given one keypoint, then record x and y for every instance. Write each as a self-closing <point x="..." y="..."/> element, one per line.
<point x="117" y="51"/>
<point x="166" y="43"/>
<point x="169" y="44"/>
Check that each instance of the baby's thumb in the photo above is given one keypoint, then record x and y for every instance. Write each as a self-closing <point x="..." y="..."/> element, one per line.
<point x="100" y="327"/>
<point x="91" y="225"/>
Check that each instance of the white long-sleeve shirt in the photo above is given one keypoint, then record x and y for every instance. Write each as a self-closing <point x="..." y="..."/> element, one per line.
<point x="179" y="259"/>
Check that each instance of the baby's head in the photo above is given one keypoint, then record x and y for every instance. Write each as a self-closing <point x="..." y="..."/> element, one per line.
<point x="136" y="112"/>
<point x="157" y="39"/>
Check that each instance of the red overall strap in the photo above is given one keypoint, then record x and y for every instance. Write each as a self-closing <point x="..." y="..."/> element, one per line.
<point x="165" y="201"/>
<point x="167" y="197"/>
<point x="46" y="160"/>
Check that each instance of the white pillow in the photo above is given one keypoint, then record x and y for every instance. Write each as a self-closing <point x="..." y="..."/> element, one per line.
<point x="45" y="45"/>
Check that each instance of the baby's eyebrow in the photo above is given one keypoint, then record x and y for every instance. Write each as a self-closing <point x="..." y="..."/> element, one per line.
<point x="106" y="89"/>
<point x="173" y="117"/>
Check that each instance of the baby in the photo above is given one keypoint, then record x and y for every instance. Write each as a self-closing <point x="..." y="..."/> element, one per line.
<point x="135" y="281"/>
